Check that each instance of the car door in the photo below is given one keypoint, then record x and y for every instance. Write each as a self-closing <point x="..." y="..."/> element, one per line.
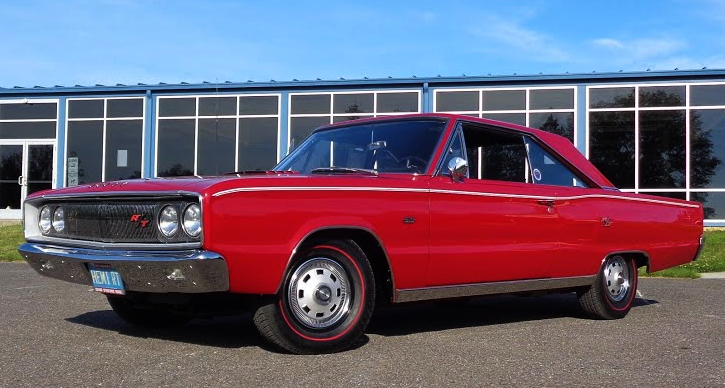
<point x="495" y="225"/>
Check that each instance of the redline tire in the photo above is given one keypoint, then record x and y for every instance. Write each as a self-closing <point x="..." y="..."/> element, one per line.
<point x="613" y="292"/>
<point x="325" y="302"/>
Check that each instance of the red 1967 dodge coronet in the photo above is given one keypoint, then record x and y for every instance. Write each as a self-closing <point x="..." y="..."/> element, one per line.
<point x="362" y="213"/>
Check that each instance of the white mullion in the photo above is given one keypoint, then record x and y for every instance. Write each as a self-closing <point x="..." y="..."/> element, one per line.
<point x="143" y="138"/>
<point x="103" y="143"/>
<point x="480" y="103"/>
<point x="586" y="128"/>
<point x="528" y="102"/>
<point x="196" y="136"/>
<point x="28" y="120"/>
<point x="687" y="142"/>
<point x="636" y="139"/>
<point x="375" y="104"/>
<point x="236" y="139"/>
<point x="332" y="107"/>
<point x="156" y="139"/>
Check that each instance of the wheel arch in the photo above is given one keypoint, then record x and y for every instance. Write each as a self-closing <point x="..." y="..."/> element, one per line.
<point x="641" y="258"/>
<point x="370" y="244"/>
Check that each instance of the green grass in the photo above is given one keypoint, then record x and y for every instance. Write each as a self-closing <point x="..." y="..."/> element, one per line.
<point x="11" y="237"/>
<point x="712" y="258"/>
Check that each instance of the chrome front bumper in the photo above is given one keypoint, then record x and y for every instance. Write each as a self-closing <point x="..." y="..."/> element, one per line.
<point x="188" y="271"/>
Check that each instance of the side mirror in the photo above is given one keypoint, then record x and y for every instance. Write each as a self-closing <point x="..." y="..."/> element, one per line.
<point x="458" y="167"/>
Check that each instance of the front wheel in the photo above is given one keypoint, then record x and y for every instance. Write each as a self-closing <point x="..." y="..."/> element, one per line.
<point x="325" y="303"/>
<point x="612" y="294"/>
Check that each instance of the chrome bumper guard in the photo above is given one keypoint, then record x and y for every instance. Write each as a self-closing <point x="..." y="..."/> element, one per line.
<point x="187" y="271"/>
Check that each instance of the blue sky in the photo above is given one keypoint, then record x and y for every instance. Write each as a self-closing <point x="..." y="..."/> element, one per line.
<point x="128" y="41"/>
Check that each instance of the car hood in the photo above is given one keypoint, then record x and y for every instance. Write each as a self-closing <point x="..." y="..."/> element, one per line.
<point x="210" y="185"/>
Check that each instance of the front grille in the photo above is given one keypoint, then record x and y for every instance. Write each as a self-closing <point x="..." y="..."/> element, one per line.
<point x="118" y="221"/>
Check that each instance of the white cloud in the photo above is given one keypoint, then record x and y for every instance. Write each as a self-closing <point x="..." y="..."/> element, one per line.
<point x="608" y="43"/>
<point x="503" y="35"/>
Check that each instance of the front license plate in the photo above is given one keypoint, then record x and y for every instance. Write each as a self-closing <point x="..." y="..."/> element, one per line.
<point x="106" y="280"/>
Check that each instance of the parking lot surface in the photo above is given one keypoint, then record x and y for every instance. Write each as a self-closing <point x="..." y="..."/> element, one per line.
<point x="57" y="334"/>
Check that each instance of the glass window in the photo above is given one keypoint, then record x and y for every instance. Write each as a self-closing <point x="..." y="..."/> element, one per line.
<point x="85" y="142"/>
<point x="704" y="95"/>
<point x="217" y="106"/>
<point x="27" y="130"/>
<point x="611" y="146"/>
<point x="713" y="203"/>
<point x="339" y="119"/>
<point x="86" y="109"/>
<point x="353" y="103"/>
<point x="561" y="124"/>
<point x="311" y="104"/>
<point x="611" y="97"/>
<point x="123" y="149"/>
<point x="176" y="107"/>
<point x="259" y="105"/>
<point x="661" y="96"/>
<point x="547" y="170"/>
<point x="11" y="168"/>
<point x="215" y="153"/>
<point x="28" y="111"/>
<point x="257" y="143"/>
<point x="707" y="146"/>
<point x="384" y="147"/>
<point x="504" y="100"/>
<point x="125" y="107"/>
<point x="662" y="149"/>
<point x="677" y="195"/>
<point x="397" y="102"/>
<point x="457" y="101"/>
<point x="494" y="155"/>
<point x="301" y="127"/>
<point x="551" y="99"/>
<point x="515" y="118"/>
<point x="175" y="148"/>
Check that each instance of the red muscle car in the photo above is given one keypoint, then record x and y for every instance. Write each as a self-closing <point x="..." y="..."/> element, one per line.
<point x="362" y="213"/>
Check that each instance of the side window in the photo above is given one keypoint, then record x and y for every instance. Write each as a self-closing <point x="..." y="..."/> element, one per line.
<point x="454" y="149"/>
<point x="547" y="170"/>
<point x="494" y="155"/>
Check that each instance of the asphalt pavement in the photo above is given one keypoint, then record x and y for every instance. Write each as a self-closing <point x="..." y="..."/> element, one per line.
<point x="56" y="334"/>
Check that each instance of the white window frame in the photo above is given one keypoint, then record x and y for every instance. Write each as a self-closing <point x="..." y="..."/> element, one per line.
<point x="235" y="116"/>
<point x="636" y="109"/>
<point x="331" y="115"/>
<point x="105" y="120"/>
<point x="526" y="112"/>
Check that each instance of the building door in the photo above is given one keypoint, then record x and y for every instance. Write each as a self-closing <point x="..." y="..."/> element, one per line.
<point x="25" y="167"/>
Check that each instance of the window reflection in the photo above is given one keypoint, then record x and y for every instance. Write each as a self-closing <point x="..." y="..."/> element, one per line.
<point x="662" y="149"/>
<point x="611" y="146"/>
<point x="707" y="136"/>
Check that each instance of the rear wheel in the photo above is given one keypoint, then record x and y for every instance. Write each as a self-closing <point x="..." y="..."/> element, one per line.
<point x="145" y="315"/>
<point x="612" y="294"/>
<point x="325" y="302"/>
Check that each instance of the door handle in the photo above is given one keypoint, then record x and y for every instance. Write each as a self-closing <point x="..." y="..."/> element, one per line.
<point x="20" y="180"/>
<point x="546" y="202"/>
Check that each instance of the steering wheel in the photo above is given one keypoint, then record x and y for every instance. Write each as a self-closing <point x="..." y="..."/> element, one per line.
<point x="413" y="163"/>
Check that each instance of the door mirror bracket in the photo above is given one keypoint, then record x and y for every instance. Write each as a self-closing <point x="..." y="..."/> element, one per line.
<point x="458" y="167"/>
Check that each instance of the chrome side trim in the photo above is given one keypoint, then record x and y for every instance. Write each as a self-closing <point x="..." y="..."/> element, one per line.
<point x="142" y="271"/>
<point x="444" y="292"/>
<point x="438" y="191"/>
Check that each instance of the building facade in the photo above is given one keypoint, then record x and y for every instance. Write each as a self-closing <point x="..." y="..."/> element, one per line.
<point x="660" y="133"/>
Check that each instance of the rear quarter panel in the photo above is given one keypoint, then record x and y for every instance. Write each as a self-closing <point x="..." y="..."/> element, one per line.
<point x="666" y="230"/>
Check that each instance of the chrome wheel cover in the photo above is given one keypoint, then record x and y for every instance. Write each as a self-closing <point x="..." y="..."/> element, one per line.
<point x="319" y="293"/>
<point x="617" y="278"/>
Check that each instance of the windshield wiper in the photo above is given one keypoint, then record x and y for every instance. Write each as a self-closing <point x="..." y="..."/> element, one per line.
<point x="343" y="170"/>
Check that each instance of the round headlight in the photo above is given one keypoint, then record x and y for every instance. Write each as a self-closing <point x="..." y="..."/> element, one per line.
<point x="58" y="219"/>
<point x="44" y="220"/>
<point x="192" y="220"/>
<point x="168" y="221"/>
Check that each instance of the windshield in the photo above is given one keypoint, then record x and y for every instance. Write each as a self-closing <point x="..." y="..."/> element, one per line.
<point x="402" y="146"/>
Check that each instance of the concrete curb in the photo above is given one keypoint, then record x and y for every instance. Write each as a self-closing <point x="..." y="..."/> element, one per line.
<point x="713" y="275"/>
